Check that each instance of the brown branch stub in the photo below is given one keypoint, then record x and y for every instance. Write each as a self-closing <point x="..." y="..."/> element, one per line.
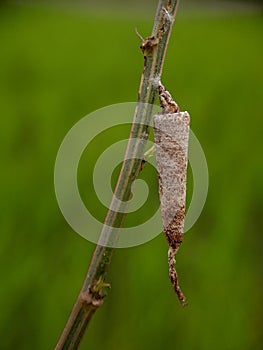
<point x="94" y="295"/>
<point x="89" y="299"/>
<point x="148" y="45"/>
<point x="150" y="42"/>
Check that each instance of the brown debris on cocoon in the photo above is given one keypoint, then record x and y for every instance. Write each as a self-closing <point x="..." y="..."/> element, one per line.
<point x="171" y="135"/>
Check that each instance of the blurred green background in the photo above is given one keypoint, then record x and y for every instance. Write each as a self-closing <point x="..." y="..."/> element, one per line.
<point x="57" y="64"/>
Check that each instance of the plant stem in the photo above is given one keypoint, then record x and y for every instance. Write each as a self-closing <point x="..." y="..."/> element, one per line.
<point x="90" y="296"/>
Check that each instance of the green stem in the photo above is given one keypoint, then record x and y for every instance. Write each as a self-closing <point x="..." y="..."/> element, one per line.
<point x="90" y="297"/>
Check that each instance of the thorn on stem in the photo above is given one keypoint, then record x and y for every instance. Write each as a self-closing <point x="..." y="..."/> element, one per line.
<point x="138" y="34"/>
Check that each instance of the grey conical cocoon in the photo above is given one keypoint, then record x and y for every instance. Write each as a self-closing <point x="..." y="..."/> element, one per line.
<point x="171" y="136"/>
